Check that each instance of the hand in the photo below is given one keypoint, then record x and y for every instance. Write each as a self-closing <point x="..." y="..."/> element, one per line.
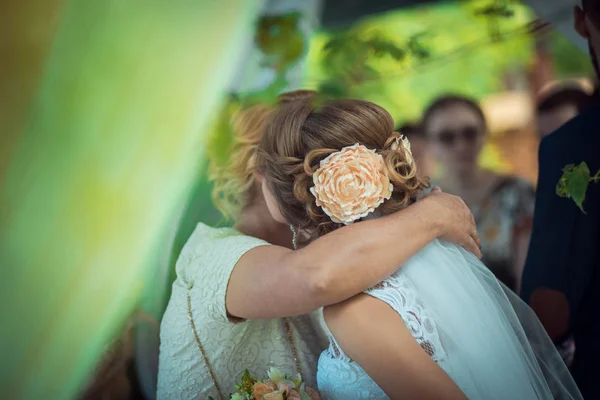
<point x="454" y="221"/>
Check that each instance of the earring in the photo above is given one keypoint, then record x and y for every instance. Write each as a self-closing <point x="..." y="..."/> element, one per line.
<point x="294" y="237"/>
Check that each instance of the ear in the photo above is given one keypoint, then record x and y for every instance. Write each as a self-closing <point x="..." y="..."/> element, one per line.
<point x="580" y="23"/>
<point x="259" y="178"/>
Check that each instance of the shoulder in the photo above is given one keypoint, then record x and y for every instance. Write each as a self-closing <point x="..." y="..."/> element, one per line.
<point x="575" y="142"/>
<point x="398" y="291"/>
<point x="579" y="135"/>
<point x="359" y="309"/>
<point x="211" y="250"/>
<point x="208" y="238"/>
<point x="390" y="286"/>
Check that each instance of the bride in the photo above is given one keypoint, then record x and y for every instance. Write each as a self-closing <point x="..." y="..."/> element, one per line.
<point x="442" y="327"/>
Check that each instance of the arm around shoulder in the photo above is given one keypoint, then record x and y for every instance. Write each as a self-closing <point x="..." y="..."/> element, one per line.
<point x="275" y="282"/>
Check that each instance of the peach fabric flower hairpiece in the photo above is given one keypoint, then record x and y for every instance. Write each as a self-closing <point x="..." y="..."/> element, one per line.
<point x="351" y="183"/>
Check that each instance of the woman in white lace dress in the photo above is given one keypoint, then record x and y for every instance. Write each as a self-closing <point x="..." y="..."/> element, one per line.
<point x="236" y="286"/>
<point x="442" y="327"/>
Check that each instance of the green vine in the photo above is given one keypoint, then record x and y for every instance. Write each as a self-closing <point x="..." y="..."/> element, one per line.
<point x="347" y="59"/>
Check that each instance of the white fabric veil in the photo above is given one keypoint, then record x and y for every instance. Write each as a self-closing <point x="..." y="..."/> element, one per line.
<point x="497" y="347"/>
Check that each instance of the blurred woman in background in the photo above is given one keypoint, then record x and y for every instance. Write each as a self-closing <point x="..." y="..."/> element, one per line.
<point x="502" y="205"/>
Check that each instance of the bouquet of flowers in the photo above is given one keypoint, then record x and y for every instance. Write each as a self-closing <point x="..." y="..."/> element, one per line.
<point x="277" y="386"/>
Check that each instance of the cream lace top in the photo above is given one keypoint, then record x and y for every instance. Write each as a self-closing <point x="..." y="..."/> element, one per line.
<point x="203" y="271"/>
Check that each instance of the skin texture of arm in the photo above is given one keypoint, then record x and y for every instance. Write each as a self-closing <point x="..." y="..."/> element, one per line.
<point x="391" y="356"/>
<point x="275" y="282"/>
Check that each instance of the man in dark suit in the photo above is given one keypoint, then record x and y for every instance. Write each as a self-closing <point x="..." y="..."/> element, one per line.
<point x="561" y="279"/>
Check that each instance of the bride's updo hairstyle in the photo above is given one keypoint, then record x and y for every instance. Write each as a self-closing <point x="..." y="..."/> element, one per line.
<point x="302" y="133"/>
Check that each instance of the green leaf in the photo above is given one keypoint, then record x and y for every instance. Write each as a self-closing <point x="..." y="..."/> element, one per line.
<point x="330" y="90"/>
<point x="417" y="48"/>
<point x="574" y="183"/>
<point x="497" y="9"/>
<point x="304" y="395"/>
<point x="380" y="47"/>
<point x="275" y="375"/>
<point x="246" y="385"/>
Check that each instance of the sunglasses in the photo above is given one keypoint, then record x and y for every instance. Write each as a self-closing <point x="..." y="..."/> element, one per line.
<point x="448" y="137"/>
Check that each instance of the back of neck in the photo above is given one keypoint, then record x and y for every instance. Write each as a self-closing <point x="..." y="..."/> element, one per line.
<point x="256" y="221"/>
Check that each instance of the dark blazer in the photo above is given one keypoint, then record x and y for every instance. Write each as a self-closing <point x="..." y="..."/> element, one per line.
<point x="561" y="279"/>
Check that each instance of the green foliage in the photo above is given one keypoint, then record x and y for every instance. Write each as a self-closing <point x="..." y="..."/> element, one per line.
<point x="574" y="183"/>
<point x="417" y="48"/>
<point x="403" y="59"/>
<point x="280" y="40"/>
<point x="332" y="90"/>
<point x="246" y="385"/>
<point x="496" y="9"/>
<point x="568" y="59"/>
<point x="347" y="60"/>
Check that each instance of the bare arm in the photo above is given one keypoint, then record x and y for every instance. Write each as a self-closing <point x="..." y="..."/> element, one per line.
<point x="275" y="282"/>
<point x="371" y="333"/>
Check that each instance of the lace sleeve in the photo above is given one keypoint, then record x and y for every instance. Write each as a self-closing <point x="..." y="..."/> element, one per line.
<point x="398" y="292"/>
<point x="206" y="264"/>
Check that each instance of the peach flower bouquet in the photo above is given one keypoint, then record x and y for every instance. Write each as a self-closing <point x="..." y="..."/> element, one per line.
<point x="277" y="386"/>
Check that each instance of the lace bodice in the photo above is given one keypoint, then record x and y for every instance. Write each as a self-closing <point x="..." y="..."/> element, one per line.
<point x="339" y="377"/>
<point x="203" y="271"/>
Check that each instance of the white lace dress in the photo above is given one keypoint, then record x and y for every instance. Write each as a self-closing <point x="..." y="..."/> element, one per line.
<point x="203" y="271"/>
<point x="479" y="332"/>
<point x="339" y="377"/>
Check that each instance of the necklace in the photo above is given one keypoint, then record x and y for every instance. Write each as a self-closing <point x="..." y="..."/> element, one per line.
<point x="211" y="372"/>
<point x="294" y="237"/>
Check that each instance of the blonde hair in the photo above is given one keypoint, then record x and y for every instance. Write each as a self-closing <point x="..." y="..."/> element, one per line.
<point x="300" y="135"/>
<point x="233" y="182"/>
